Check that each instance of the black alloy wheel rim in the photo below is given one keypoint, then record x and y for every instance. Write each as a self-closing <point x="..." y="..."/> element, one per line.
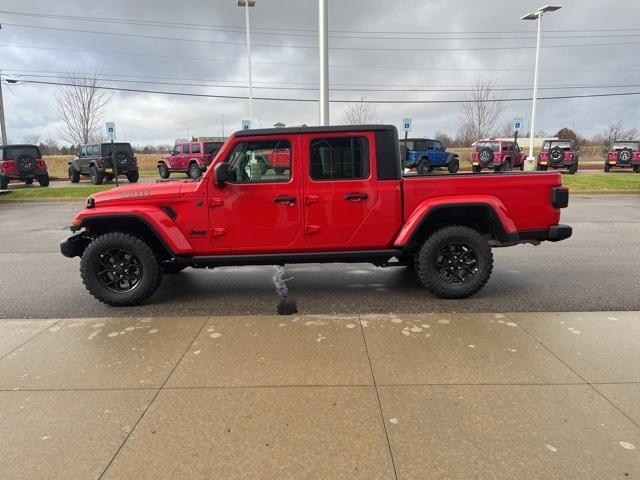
<point x="456" y="264"/>
<point x="119" y="270"/>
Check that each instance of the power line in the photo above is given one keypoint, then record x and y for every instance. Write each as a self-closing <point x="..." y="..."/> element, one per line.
<point x="313" y="65"/>
<point x="307" y="100"/>
<point x="311" y="32"/>
<point x="338" y="89"/>
<point x="314" y="47"/>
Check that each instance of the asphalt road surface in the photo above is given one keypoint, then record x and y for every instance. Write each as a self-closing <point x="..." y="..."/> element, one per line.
<point x="597" y="269"/>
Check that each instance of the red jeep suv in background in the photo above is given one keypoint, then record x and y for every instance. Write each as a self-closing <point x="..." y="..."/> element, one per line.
<point x="191" y="158"/>
<point x="559" y="154"/>
<point x="623" y="154"/>
<point x="501" y="155"/>
<point x="22" y="163"/>
<point x="335" y="194"/>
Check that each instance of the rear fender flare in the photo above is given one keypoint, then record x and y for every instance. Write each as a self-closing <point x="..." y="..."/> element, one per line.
<point x="494" y="212"/>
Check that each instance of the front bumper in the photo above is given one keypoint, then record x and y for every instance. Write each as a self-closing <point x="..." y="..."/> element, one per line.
<point x="74" y="245"/>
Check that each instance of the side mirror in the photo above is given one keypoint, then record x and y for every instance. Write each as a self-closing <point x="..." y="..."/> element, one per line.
<point x="222" y="174"/>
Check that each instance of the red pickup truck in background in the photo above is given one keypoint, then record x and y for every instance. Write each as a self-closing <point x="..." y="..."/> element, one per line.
<point x="328" y="194"/>
<point x="192" y="158"/>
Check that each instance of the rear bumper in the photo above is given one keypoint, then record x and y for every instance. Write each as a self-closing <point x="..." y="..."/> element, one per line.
<point x="555" y="233"/>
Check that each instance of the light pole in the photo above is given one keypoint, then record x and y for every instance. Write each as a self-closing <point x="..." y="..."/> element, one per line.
<point x="323" y="35"/>
<point x="530" y="163"/>
<point x="222" y="121"/>
<point x="246" y="4"/>
<point x="3" y="126"/>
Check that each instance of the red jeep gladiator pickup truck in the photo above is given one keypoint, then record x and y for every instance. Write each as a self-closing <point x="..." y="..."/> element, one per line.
<point x="341" y="197"/>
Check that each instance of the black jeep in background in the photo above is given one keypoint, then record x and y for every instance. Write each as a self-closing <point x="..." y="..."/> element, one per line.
<point x="23" y="163"/>
<point x="95" y="161"/>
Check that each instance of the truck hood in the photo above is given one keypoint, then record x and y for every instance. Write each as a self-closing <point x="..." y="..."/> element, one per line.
<point x="144" y="192"/>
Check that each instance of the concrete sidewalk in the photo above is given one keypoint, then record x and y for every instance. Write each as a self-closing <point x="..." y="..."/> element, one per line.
<point x="508" y="396"/>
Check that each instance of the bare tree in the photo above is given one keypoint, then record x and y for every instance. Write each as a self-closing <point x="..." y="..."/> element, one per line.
<point x="33" y="139"/>
<point x="81" y="106"/>
<point x="481" y="111"/>
<point x="361" y="113"/>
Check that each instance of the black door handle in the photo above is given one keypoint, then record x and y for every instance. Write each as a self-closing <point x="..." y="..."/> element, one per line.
<point x="356" y="197"/>
<point x="284" y="199"/>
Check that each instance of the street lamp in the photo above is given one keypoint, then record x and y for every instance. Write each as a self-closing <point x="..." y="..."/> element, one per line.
<point x="246" y="4"/>
<point x="323" y="38"/>
<point x="530" y="164"/>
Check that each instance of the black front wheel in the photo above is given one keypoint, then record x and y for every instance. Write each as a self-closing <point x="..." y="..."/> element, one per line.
<point x="454" y="262"/>
<point x="96" y="176"/>
<point x="120" y="269"/>
<point x="163" y="170"/>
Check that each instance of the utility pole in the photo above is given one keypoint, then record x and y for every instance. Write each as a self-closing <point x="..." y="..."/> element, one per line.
<point x="323" y="35"/>
<point x="246" y="4"/>
<point x="3" y="126"/>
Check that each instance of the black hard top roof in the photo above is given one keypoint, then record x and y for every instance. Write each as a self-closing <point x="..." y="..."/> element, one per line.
<point x="19" y="145"/>
<point x="329" y="129"/>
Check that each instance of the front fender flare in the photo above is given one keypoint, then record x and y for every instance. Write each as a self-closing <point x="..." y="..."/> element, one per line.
<point x="154" y="218"/>
<point x="427" y="207"/>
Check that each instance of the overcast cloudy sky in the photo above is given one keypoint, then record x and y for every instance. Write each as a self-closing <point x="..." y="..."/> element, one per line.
<point x="418" y="45"/>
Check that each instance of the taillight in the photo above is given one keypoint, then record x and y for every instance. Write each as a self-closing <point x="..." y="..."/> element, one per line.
<point x="9" y="166"/>
<point x="570" y="154"/>
<point x="560" y="197"/>
<point x="544" y="155"/>
<point x="475" y="155"/>
<point x="40" y="165"/>
<point x="134" y="160"/>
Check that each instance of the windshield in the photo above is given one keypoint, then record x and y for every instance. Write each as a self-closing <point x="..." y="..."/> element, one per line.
<point x="11" y="153"/>
<point x="494" y="146"/>
<point x="565" y="145"/>
<point x="629" y="145"/>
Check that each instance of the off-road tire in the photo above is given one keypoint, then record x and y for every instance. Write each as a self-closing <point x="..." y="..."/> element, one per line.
<point x="488" y="158"/>
<point x="43" y="180"/>
<point x="425" y="261"/>
<point x="506" y="166"/>
<point x="573" y="168"/>
<point x="96" y="176"/>
<point x="543" y="168"/>
<point x="636" y="168"/>
<point x="29" y="181"/>
<point x="163" y="170"/>
<point x="151" y="269"/>
<point x="133" y="176"/>
<point x="607" y="167"/>
<point x="4" y="183"/>
<point x="74" y="175"/>
<point x="424" y="167"/>
<point x="475" y="169"/>
<point x="172" y="268"/>
<point x="194" y="171"/>
<point x="454" y="166"/>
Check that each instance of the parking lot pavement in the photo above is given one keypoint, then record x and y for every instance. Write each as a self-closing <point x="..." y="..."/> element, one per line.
<point x="504" y="395"/>
<point x="597" y="269"/>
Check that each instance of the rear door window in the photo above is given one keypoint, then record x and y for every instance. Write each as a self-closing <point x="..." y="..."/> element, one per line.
<point x="185" y="148"/>
<point x="211" y="148"/>
<point x="195" y="148"/>
<point x="339" y="158"/>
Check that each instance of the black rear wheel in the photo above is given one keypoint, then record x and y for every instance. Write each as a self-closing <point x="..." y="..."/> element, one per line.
<point x="43" y="180"/>
<point x="120" y="269"/>
<point x="163" y="170"/>
<point x="29" y="181"/>
<point x="573" y="168"/>
<point x="4" y="182"/>
<point x="454" y="262"/>
<point x="453" y="166"/>
<point x="607" y="167"/>
<point x="133" y="176"/>
<point x="194" y="171"/>
<point x="476" y="169"/>
<point x="424" y="166"/>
